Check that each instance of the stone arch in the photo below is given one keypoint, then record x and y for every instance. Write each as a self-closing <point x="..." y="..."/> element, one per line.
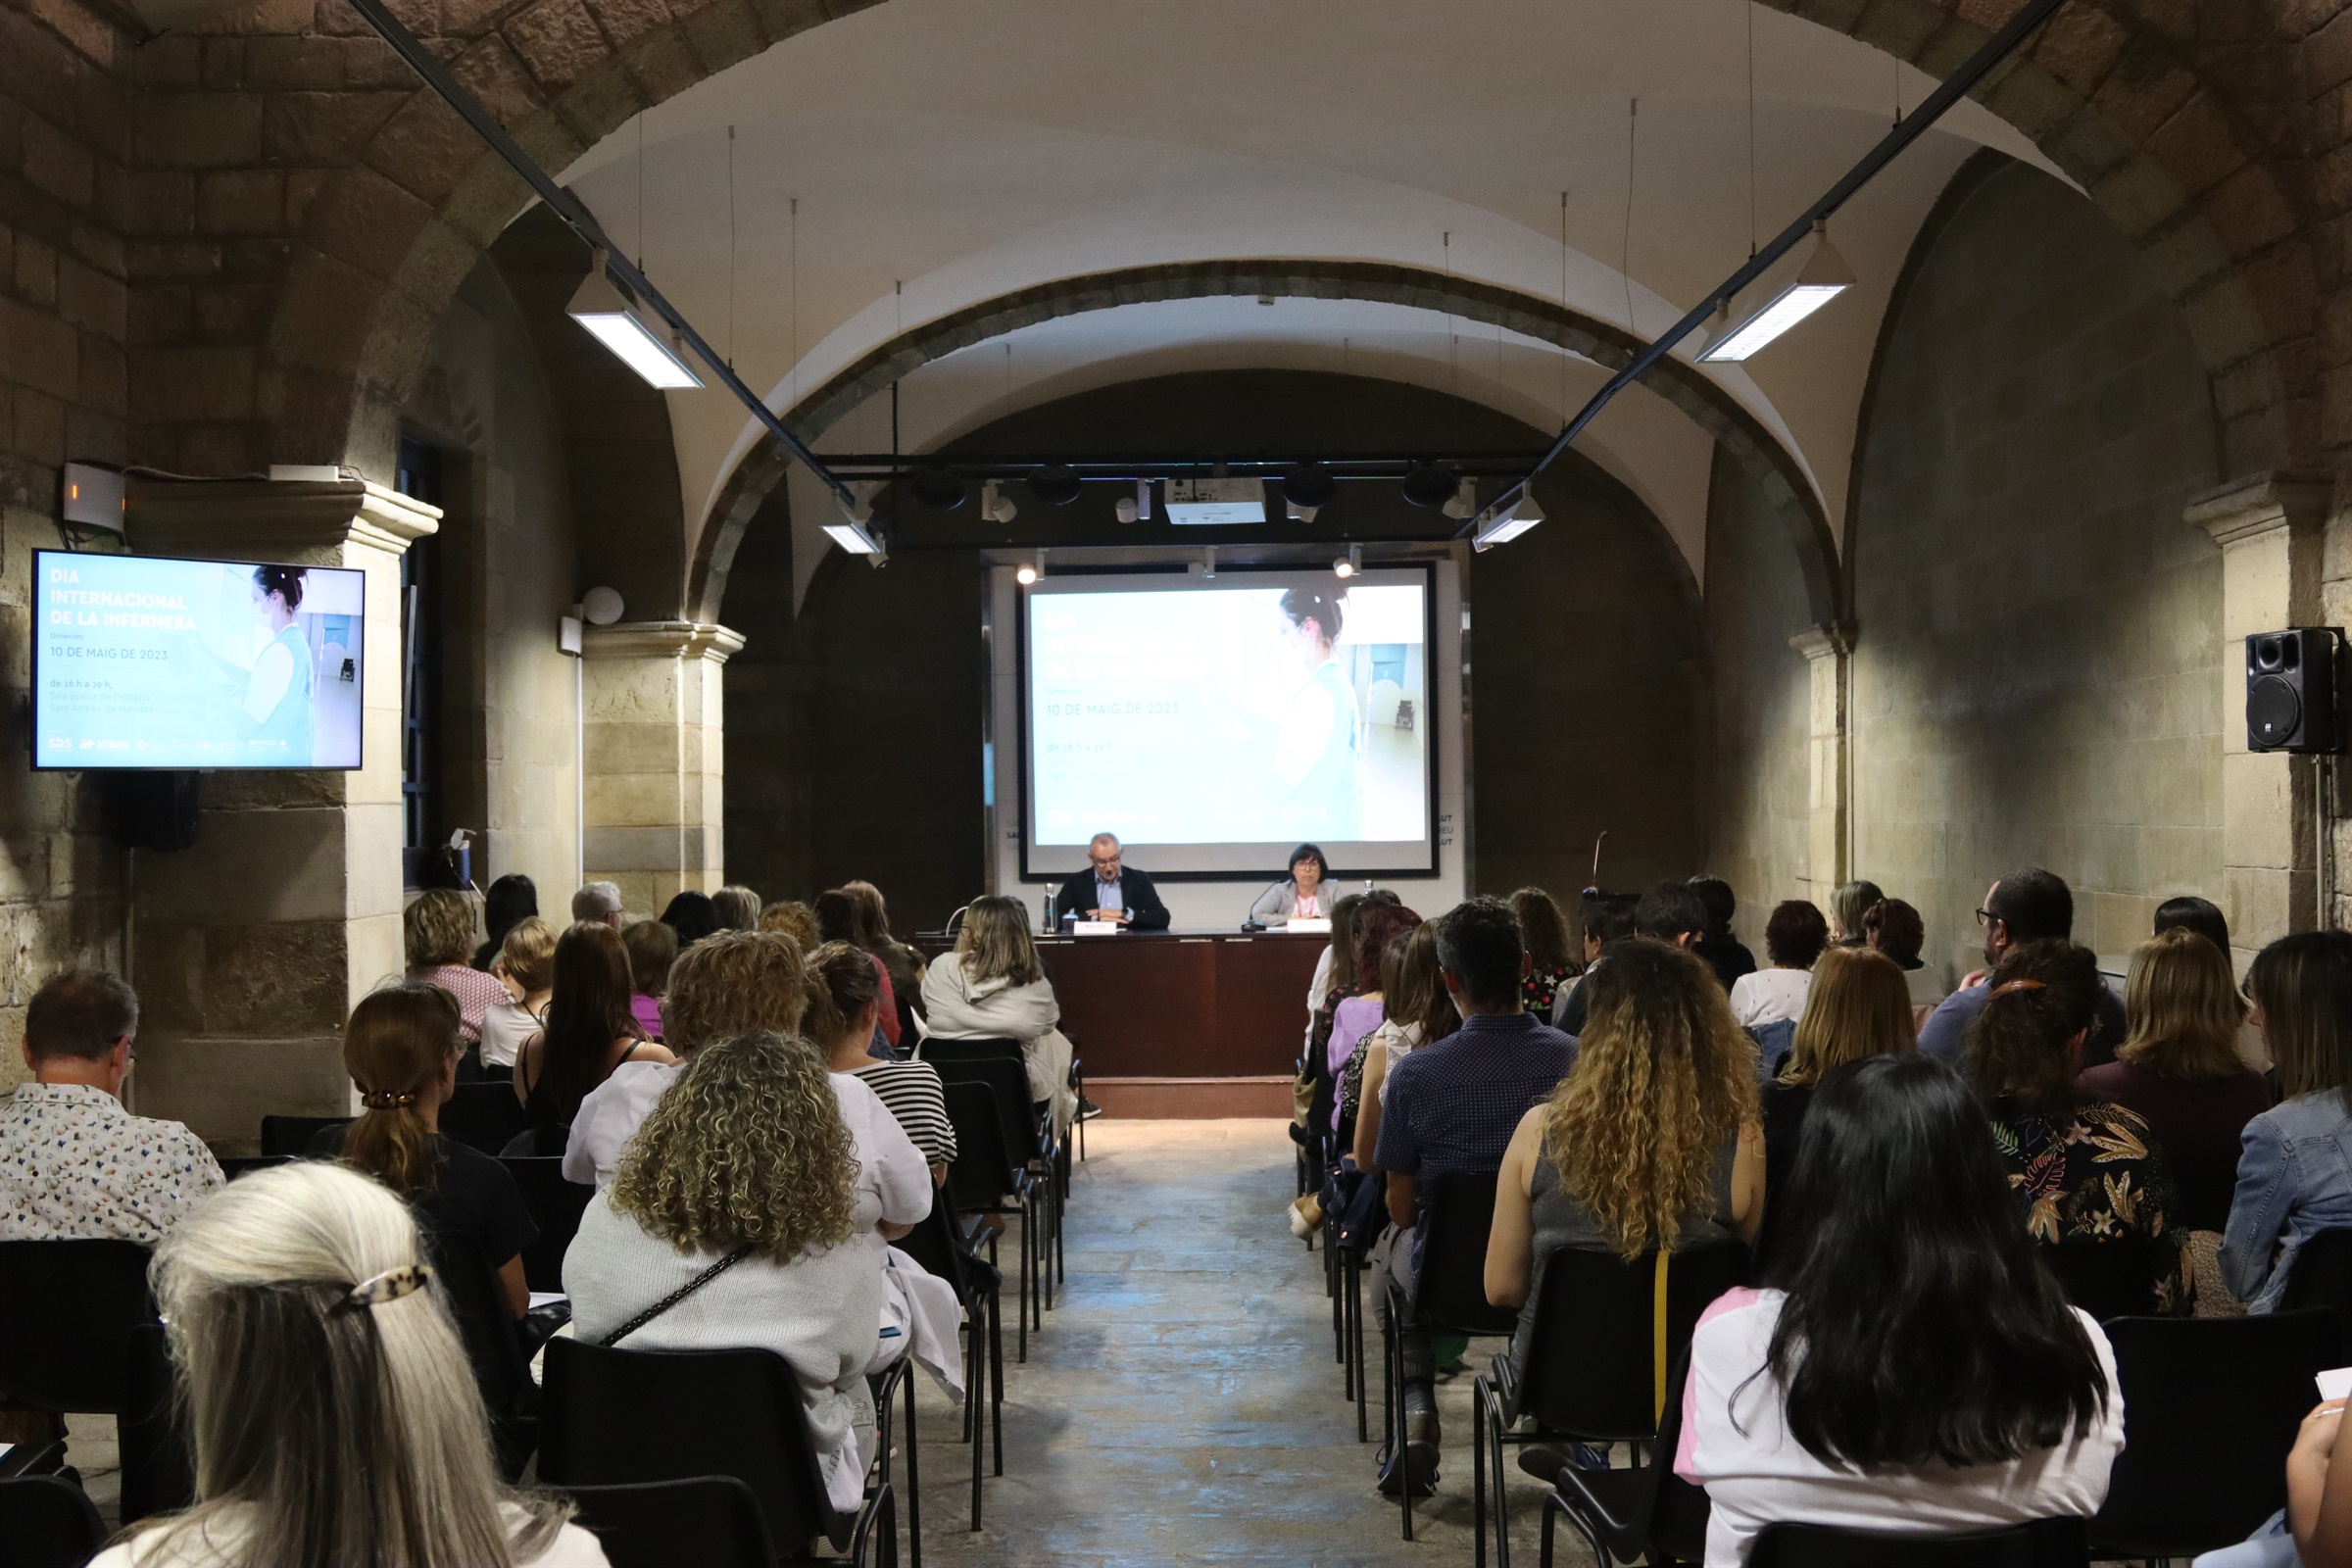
<point x="2191" y="154"/>
<point x="761" y="471"/>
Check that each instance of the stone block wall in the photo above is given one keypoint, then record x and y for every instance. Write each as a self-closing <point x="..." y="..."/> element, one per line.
<point x="2038" y="676"/>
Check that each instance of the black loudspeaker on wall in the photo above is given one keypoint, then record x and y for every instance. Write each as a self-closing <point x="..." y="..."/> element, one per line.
<point x="2290" y="689"/>
<point x="154" y="809"/>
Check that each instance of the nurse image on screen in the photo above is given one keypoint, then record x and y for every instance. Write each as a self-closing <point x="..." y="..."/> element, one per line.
<point x="1315" y="746"/>
<point x="278" y="692"/>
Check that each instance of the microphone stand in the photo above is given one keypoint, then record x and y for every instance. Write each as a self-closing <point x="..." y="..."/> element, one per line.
<point x="1251" y="921"/>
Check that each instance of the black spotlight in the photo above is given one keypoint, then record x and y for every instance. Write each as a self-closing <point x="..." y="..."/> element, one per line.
<point x="938" y="489"/>
<point x="1054" y="483"/>
<point x="1426" y="484"/>
<point x="1309" y="485"/>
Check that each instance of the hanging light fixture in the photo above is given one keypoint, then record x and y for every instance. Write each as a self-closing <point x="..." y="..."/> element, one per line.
<point x="851" y="533"/>
<point x="1136" y="508"/>
<point x="1823" y="276"/>
<point x="1426" y="484"/>
<point x="1348" y="564"/>
<point x="1500" y="528"/>
<point x="1028" y="571"/>
<point x="1464" y="504"/>
<point x="600" y="306"/>
<point x="995" y="505"/>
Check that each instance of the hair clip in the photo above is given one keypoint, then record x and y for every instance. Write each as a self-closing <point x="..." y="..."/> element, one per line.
<point x="2011" y="987"/>
<point x="389" y="1286"/>
<point x="386" y="1100"/>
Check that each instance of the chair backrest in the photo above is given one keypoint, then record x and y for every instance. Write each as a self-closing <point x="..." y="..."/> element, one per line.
<point x="556" y="1206"/>
<point x="1667" y="1518"/>
<point x="2040" y="1543"/>
<point x="938" y="1048"/>
<point x="233" y="1167"/>
<point x="1008" y="1079"/>
<point x="1589" y="1367"/>
<point x="615" y="1415"/>
<point x="933" y="1244"/>
<point x="475" y="1300"/>
<point x="2107" y="1279"/>
<point x="2211" y="1406"/>
<point x="291" y="1136"/>
<point x="1451" y="1291"/>
<point x="100" y="1289"/>
<point x="2321" y="1276"/>
<point x="484" y="1116"/>
<point x="710" y="1521"/>
<point x="159" y="1465"/>
<point x="984" y="1169"/>
<point x="48" y="1521"/>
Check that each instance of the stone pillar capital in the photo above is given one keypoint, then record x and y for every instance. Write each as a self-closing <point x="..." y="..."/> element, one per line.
<point x="270" y="520"/>
<point x="2256" y="504"/>
<point x="662" y="639"/>
<point x="1829" y="640"/>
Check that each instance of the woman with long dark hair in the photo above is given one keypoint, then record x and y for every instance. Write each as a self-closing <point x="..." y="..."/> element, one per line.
<point x="590" y="1030"/>
<point x="2294" y="1178"/>
<point x="511" y="900"/>
<point x="1910" y="1364"/>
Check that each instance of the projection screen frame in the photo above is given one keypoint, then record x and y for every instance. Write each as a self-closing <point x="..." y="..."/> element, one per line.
<point x="1431" y="759"/>
<point x="34" y="664"/>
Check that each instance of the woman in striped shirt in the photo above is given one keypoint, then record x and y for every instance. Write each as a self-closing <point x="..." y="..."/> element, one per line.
<point x="845" y="997"/>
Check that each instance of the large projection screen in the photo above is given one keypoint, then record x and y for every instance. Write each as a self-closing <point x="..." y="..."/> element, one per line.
<point x="1212" y="729"/>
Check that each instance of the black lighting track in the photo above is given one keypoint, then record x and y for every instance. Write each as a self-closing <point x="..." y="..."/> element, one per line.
<point x="1907" y="131"/>
<point x="581" y="222"/>
<point x="1115" y="467"/>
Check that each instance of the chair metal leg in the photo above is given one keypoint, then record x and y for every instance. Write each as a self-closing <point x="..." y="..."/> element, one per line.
<point x="975" y="1401"/>
<point x="996" y="1377"/>
<point x="1478" y="1472"/>
<point x="1355" y="1348"/>
<point x="1349" y="1388"/>
<point x="914" y="1485"/>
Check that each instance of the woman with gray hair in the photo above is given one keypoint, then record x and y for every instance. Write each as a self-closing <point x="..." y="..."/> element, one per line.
<point x="334" y="1417"/>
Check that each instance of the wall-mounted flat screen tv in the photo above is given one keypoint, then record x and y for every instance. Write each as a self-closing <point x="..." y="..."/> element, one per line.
<point x="139" y="661"/>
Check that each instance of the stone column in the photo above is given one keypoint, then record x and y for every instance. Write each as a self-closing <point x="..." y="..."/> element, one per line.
<point x="1830" y="651"/>
<point x="250" y="948"/>
<point x="655" y="720"/>
<point x="2272" y="529"/>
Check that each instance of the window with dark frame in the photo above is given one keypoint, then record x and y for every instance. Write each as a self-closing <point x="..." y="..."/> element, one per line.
<point x="417" y="475"/>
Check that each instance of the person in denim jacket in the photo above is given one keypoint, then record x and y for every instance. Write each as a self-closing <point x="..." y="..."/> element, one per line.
<point x="2295" y="1174"/>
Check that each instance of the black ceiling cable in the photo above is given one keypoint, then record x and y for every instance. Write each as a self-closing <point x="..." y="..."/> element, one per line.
<point x="1996" y="49"/>
<point x="631" y="278"/>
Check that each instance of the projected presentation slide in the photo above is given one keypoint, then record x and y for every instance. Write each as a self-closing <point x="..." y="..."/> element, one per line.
<point x="143" y="663"/>
<point x="1242" y="714"/>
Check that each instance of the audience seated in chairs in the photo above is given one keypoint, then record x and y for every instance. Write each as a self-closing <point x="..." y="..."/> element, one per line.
<point x="2294" y="1176"/>
<point x="1726" y="953"/>
<point x="1355" y="1020"/>
<point x="1417" y="1012"/>
<point x="1911" y="1366"/>
<point x="1668" y="912"/>
<point x="1857" y="1007"/>
<point x="1452" y="1107"/>
<point x="401" y="1048"/>
<point x="653" y="948"/>
<point x="2088" y="1173"/>
<point x="693" y="916"/>
<point x="510" y="901"/>
<point x="737" y="906"/>
<point x="2030" y="905"/>
<point x="599" y="904"/>
<point x="1607" y="918"/>
<point x="1650" y="1140"/>
<point x="328" y="1400"/>
<point x="904" y="965"/>
<point x="844" y="996"/>
<point x="733" y="1222"/>
<point x="850" y="918"/>
<point x="991" y="987"/>
<point x="794" y="919"/>
<point x="1794" y="938"/>
<point x="2179" y="1069"/>
<point x="590" y="1031"/>
<point x="437" y="931"/>
<point x="1895" y="928"/>
<point x="525" y="963"/>
<point x="1550" y="963"/>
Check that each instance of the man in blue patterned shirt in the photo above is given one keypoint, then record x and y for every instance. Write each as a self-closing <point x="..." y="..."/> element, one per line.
<point x="1450" y="1109"/>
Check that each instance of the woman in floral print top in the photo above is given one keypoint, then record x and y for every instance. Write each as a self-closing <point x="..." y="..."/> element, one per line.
<point x="2086" y="1172"/>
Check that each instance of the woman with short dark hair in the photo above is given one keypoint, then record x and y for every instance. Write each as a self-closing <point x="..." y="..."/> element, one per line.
<point x="1909" y="1365"/>
<point x="1305" y="896"/>
<point x="1794" y="938"/>
<point x="1895" y="928"/>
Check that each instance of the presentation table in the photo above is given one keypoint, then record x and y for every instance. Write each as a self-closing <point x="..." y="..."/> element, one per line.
<point x="1182" y="1023"/>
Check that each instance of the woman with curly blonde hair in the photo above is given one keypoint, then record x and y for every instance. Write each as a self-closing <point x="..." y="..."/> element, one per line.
<point x="1651" y="1139"/>
<point x="740" y="1190"/>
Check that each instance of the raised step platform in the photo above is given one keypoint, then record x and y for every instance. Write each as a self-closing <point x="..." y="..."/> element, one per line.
<point x="1191" y="1099"/>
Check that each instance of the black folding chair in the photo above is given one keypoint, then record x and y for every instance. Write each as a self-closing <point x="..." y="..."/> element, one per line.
<point x="615" y="1416"/>
<point x="1592" y="1375"/>
<point x="2210" y="1407"/>
<point x="484" y="1116"/>
<point x="1450" y="1294"/>
<point x="475" y="1300"/>
<point x="236" y="1165"/>
<point x="943" y="1252"/>
<point x="290" y="1136"/>
<point x="710" y="1521"/>
<point x="159" y="1470"/>
<point x="984" y="1175"/>
<point x="2107" y="1279"/>
<point x="1641" y="1513"/>
<point x="556" y="1206"/>
<point x="1029" y="1129"/>
<point x="100" y="1287"/>
<point x="48" y="1521"/>
<point x="2042" y="1544"/>
<point x="2321" y="1276"/>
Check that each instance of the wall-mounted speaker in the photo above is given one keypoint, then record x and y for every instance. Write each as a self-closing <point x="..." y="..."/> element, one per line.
<point x="2290" y="689"/>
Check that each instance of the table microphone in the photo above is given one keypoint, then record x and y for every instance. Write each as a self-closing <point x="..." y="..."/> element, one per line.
<point x="1251" y="921"/>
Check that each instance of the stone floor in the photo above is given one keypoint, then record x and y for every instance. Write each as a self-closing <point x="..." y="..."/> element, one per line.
<point x="1183" y="1405"/>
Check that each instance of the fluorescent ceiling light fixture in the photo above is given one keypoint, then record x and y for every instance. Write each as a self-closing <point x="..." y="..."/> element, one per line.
<point x="851" y="533"/>
<point x="1503" y="530"/>
<point x="600" y="306"/>
<point x="1823" y="276"/>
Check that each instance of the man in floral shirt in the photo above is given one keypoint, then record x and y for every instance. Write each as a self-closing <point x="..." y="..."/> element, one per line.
<point x="74" y="1163"/>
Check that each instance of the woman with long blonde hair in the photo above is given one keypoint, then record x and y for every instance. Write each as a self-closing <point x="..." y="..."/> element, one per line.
<point x="333" y="1416"/>
<point x="993" y="986"/>
<point x="744" y="1162"/>
<point x="1650" y="1140"/>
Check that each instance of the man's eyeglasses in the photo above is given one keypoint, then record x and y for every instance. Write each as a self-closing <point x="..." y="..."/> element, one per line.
<point x="1986" y="918"/>
<point x="1102" y="865"/>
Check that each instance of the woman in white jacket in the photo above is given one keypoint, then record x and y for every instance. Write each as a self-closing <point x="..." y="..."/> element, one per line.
<point x="991" y="987"/>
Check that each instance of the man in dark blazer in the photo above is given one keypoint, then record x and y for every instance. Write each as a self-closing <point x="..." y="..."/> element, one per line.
<point x="1111" y="891"/>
